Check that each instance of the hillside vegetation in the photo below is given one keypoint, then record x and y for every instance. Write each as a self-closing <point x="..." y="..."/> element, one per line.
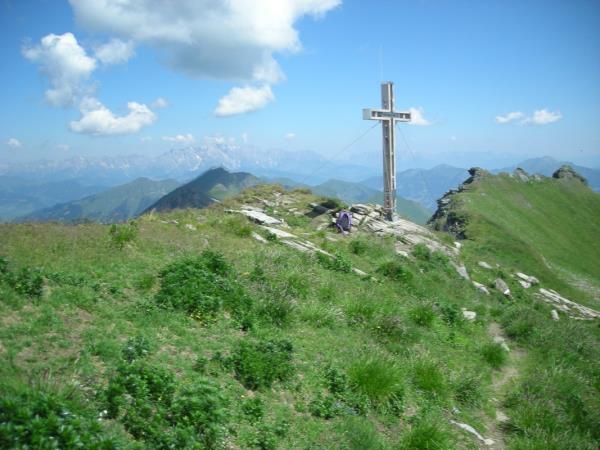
<point x="200" y="329"/>
<point x="113" y="205"/>
<point x="546" y="226"/>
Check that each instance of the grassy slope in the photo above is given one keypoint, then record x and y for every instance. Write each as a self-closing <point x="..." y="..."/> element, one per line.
<point x="548" y="229"/>
<point x="402" y="344"/>
<point x="73" y="336"/>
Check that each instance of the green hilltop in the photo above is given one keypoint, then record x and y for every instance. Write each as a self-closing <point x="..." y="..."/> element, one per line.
<point x="201" y="328"/>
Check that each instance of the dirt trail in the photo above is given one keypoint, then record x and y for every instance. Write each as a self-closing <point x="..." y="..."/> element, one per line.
<point x="508" y="373"/>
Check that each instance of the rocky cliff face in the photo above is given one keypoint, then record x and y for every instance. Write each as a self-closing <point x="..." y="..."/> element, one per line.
<point x="566" y="172"/>
<point x="447" y="218"/>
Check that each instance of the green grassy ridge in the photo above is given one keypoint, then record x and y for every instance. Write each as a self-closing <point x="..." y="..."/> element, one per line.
<point x="546" y="228"/>
<point x="96" y="297"/>
<point x="549" y="229"/>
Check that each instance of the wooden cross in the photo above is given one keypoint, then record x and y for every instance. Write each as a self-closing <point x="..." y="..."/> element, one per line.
<point x="388" y="118"/>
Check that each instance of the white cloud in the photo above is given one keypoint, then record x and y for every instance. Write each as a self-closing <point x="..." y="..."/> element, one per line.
<point x="539" y="117"/>
<point x="242" y="100"/>
<point x="510" y="117"/>
<point x="63" y="147"/>
<point x="96" y="119"/>
<point x="289" y="136"/>
<point x="232" y="39"/>
<point x="115" y="51"/>
<point x="417" y="117"/>
<point x="245" y="138"/>
<point x="160" y="103"/>
<point x="145" y="139"/>
<point x="543" y="117"/>
<point x="180" y="138"/>
<point x="65" y="62"/>
<point x="14" y="143"/>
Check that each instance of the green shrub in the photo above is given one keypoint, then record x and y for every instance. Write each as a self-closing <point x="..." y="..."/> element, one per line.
<point x="276" y="309"/>
<point x="332" y="203"/>
<point x="200" y="286"/>
<point x="358" y="246"/>
<point x="494" y="355"/>
<point x="392" y="327"/>
<point x="258" y="363"/>
<point x="427" y="434"/>
<point x="253" y="409"/>
<point x="422" y="252"/>
<point x="429" y="378"/>
<point x="43" y="420"/>
<point x="238" y="226"/>
<point x="395" y="270"/>
<point x="468" y="390"/>
<point x="27" y="281"/>
<point x="378" y="379"/>
<point x="3" y="267"/>
<point x="360" y="434"/>
<point x="423" y="315"/>
<point x="451" y="313"/>
<point x="154" y="409"/>
<point x="145" y="282"/>
<point x="121" y="234"/>
<point x="338" y="263"/>
<point x="135" y="348"/>
<point x="337" y="381"/>
<point x="325" y="407"/>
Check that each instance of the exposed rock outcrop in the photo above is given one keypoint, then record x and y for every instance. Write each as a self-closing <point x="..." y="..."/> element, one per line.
<point x="446" y="218"/>
<point x="568" y="173"/>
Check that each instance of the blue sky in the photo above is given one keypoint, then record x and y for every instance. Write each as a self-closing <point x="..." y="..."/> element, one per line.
<point x="295" y="74"/>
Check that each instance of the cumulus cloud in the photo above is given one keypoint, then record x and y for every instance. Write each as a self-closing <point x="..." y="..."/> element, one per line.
<point x="160" y="103"/>
<point x="65" y="63"/>
<point x="14" y="143"/>
<point x="510" y="117"/>
<point x="231" y="40"/>
<point x="96" y="119"/>
<point x="417" y="117"/>
<point x="539" y="117"/>
<point x="208" y="38"/>
<point x="242" y="100"/>
<point x="180" y="138"/>
<point x="289" y="136"/>
<point x="543" y="117"/>
<point x="115" y="51"/>
<point x="245" y="138"/>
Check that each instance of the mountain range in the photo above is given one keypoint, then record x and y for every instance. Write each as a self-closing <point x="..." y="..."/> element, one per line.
<point x="113" y="205"/>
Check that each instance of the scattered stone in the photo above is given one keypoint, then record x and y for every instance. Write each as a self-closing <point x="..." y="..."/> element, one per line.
<point x="501" y="417"/>
<point x="481" y="288"/>
<point x="572" y="309"/>
<point x="525" y="284"/>
<point x="469" y="315"/>
<point x="259" y="238"/>
<point x="521" y="174"/>
<point x="462" y="271"/>
<point x="473" y="431"/>
<point x="457" y="245"/>
<point x="502" y="286"/>
<point x="502" y="342"/>
<point x="190" y="227"/>
<point x="484" y="265"/>
<point x="359" y="272"/>
<point x="554" y="314"/>
<point x="527" y="278"/>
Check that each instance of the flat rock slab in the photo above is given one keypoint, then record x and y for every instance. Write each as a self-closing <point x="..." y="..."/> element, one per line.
<point x="573" y="309"/>
<point x="260" y="217"/>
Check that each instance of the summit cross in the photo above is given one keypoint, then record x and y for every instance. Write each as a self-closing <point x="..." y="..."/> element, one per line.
<point x="388" y="118"/>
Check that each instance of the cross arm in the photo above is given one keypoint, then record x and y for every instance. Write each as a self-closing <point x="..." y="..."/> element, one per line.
<point x="382" y="114"/>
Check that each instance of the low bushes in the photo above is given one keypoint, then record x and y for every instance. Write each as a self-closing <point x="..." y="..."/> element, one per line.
<point x="259" y="363"/>
<point x="158" y="410"/>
